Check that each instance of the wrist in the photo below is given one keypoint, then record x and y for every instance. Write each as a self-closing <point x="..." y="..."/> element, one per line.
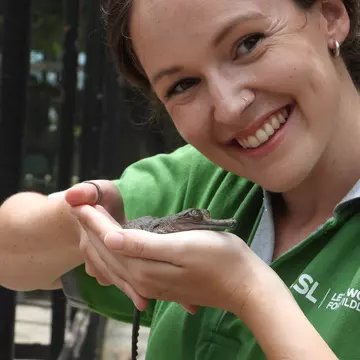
<point x="261" y="286"/>
<point x="266" y="301"/>
<point x="277" y="322"/>
<point x="265" y="292"/>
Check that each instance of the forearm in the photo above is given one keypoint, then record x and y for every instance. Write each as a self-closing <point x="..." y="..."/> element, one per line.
<point x="281" y="328"/>
<point x="38" y="241"/>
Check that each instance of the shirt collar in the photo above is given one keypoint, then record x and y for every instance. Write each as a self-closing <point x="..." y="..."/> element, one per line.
<point x="352" y="196"/>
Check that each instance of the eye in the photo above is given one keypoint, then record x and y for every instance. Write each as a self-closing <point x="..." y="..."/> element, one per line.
<point x="195" y="214"/>
<point x="181" y="86"/>
<point x="247" y="44"/>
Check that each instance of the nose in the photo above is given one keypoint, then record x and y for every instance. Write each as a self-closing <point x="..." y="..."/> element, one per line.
<point x="229" y="101"/>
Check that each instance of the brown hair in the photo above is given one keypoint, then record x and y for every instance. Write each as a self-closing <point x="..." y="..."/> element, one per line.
<point x="116" y="15"/>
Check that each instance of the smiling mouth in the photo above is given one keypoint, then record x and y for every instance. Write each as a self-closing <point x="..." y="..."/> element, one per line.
<point x="268" y="129"/>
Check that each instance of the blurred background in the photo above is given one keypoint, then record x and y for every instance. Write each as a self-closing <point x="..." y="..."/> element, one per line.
<point x="65" y="116"/>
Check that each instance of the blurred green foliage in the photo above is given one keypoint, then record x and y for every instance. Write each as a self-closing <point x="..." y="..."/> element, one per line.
<point x="47" y="33"/>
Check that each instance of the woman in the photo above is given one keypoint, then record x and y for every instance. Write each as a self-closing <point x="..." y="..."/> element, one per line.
<point x="265" y="93"/>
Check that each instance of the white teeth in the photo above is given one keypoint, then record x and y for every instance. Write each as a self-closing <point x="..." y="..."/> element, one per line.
<point x="242" y="143"/>
<point x="269" y="129"/>
<point x="281" y="119"/>
<point x="253" y="141"/>
<point x="275" y="122"/>
<point x="262" y="135"/>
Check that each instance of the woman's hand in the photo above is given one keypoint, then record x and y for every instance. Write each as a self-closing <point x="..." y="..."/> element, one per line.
<point x="195" y="267"/>
<point x="111" y="202"/>
<point x="206" y="268"/>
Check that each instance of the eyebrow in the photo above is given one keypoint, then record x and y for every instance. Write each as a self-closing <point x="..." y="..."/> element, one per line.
<point x="233" y="23"/>
<point x="166" y="72"/>
<point x="215" y="42"/>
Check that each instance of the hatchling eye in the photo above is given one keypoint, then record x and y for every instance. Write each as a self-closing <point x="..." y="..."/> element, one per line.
<point x="195" y="213"/>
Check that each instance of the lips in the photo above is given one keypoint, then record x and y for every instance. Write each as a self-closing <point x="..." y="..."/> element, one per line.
<point x="267" y="129"/>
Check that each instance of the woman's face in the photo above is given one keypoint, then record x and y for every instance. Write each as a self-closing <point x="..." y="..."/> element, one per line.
<point x="249" y="83"/>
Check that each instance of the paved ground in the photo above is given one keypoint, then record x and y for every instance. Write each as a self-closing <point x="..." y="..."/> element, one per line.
<point x="33" y="325"/>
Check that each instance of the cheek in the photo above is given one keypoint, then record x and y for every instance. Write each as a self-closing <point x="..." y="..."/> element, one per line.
<point x="287" y="78"/>
<point x="192" y="121"/>
<point x="311" y="82"/>
<point x="292" y="68"/>
<point x="314" y="84"/>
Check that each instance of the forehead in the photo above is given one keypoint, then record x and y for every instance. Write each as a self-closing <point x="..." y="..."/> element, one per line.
<point x="161" y="28"/>
<point x="193" y="12"/>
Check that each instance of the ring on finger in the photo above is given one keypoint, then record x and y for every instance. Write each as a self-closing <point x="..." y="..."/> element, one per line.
<point x="98" y="189"/>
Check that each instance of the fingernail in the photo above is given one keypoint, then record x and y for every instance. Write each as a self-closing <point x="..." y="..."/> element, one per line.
<point x="191" y="309"/>
<point x="114" y="241"/>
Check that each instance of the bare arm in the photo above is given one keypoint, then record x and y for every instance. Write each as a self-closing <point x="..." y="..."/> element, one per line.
<point x="39" y="241"/>
<point x="281" y="328"/>
<point x="39" y="238"/>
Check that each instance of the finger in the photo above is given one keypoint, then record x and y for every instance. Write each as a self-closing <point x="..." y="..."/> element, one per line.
<point x="91" y="271"/>
<point x="147" y="245"/>
<point x="139" y="301"/>
<point x="104" y="212"/>
<point x="94" y="265"/>
<point x="109" y="269"/>
<point x="116" y="264"/>
<point x="100" y="252"/>
<point x="192" y="309"/>
<point x="85" y="193"/>
<point x="92" y="257"/>
<point x="99" y="223"/>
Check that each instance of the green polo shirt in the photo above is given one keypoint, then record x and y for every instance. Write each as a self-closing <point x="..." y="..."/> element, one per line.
<point x="322" y="271"/>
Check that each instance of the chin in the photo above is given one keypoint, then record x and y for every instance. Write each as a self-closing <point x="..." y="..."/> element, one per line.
<point x="278" y="187"/>
<point x="281" y="182"/>
<point x="289" y="172"/>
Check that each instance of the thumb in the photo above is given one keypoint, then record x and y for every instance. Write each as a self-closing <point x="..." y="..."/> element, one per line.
<point x="147" y="245"/>
<point x="87" y="194"/>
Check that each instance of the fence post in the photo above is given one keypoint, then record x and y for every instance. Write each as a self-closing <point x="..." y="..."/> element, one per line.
<point x="13" y="111"/>
<point x="69" y="89"/>
<point x="93" y="93"/>
<point x="66" y="149"/>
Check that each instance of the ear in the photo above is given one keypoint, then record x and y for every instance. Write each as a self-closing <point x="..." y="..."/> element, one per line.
<point x="337" y="20"/>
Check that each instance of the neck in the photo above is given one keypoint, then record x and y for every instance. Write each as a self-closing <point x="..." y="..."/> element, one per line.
<point x="335" y="174"/>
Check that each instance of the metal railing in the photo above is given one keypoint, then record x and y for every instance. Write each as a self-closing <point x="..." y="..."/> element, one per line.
<point x="106" y="148"/>
<point x="14" y="82"/>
